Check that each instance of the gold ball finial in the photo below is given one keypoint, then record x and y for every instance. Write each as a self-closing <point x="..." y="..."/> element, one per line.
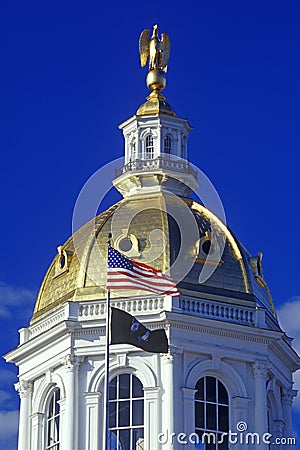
<point x="156" y="80"/>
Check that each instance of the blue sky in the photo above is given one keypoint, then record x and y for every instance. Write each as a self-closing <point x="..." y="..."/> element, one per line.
<point x="70" y="75"/>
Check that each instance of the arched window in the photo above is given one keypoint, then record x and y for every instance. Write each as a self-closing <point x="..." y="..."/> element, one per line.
<point x="126" y="413"/>
<point x="149" y="148"/>
<point x="211" y="413"/>
<point x="53" y="421"/>
<point x="168" y="145"/>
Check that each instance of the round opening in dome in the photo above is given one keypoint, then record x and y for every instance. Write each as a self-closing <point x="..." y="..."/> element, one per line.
<point x="125" y="245"/>
<point x="62" y="261"/>
<point x="206" y="246"/>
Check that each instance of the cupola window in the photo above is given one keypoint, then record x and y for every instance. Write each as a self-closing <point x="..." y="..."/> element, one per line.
<point x="168" y="145"/>
<point x="133" y="149"/>
<point x="211" y="414"/>
<point x="53" y="422"/>
<point x="126" y="413"/>
<point x="149" y="148"/>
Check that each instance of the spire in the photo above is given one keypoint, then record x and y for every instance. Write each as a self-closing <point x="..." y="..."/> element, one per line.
<point x="155" y="138"/>
<point x="158" y="52"/>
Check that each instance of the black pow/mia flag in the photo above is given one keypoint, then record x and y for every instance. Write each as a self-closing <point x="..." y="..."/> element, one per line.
<point x="126" y="329"/>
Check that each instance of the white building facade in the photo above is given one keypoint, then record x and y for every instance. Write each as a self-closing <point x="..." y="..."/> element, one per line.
<point x="229" y="367"/>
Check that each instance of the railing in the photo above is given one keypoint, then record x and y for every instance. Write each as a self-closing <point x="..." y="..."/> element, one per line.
<point x="147" y="305"/>
<point x="219" y="311"/>
<point x="161" y="162"/>
<point x="88" y="311"/>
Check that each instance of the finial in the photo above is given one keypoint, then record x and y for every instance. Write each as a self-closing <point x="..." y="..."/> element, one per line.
<point x="158" y="52"/>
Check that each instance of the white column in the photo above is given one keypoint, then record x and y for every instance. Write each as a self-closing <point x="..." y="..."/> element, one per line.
<point x="127" y="148"/>
<point x="151" y="419"/>
<point x="37" y="431"/>
<point x="178" y="144"/>
<point x="239" y="414"/>
<point x="188" y="416"/>
<point x="25" y="392"/>
<point x="260" y="411"/>
<point x="93" y="420"/>
<point x="158" y="150"/>
<point x="70" y="425"/>
<point x="278" y="428"/>
<point x="167" y="404"/>
<point x="287" y="401"/>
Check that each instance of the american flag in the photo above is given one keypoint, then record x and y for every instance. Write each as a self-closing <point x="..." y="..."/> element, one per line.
<point x="125" y="273"/>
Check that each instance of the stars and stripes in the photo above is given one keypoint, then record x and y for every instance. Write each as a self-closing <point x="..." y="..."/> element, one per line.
<point x="125" y="273"/>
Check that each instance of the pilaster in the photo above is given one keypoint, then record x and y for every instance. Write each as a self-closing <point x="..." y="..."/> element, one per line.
<point x="278" y="432"/>
<point x="260" y="371"/>
<point x="189" y="414"/>
<point x="37" y="421"/>
<point x="168" y="398"/>
<point x="69" y="436"/>
<point x="24" y="389"/>
<point x="239" y="414"/>
<point x="94" y="419"/>
<point x="151" y="420"/>
<point x="287" y="401"/>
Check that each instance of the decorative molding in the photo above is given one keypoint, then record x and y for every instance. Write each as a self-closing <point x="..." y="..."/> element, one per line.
<point x="218" y="332"/>
<point x="168" y="358"/>
<point x="216" y="362"/>
<point x="71" y="362"/>
<point x="135" y="365"/>
<point x="152" y="392"/>
<point x="24" y="388"/>
<point x="188" y="393"/>
<point x="63" y="261"/>
<point x="175" y="350"/>
<point x="260" y="369"/>
<point x="240" y="402"/>
<point x="46" y="324"/>
<point x="122" y="359"/>
<point x="288" y="396"/>
<point x="90" y="332"/>
<point x="226" y="373"/>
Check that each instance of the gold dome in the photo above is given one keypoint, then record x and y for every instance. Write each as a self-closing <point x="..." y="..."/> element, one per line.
<point x="78" y="271"/>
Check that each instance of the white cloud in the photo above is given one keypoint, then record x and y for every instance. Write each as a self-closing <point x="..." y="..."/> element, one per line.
<point x="9" y="422"/>
<point x="12" y="298"/>
<point x="4" y="312"/>
<point x="289" y="319"/>
<point x="4" y="396"/>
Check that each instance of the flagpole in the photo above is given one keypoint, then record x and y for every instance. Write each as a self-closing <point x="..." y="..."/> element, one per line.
<point x="106" y="374"/>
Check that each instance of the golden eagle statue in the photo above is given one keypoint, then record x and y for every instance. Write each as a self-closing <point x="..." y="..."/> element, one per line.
<point x="157" y="50"/>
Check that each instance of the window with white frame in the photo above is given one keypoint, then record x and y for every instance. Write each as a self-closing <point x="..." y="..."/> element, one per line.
<point x="149" y="147"/>
<point x="212" y="413"/>
<point x="183" y="147"/>
<point x="133" y="149"/>
<point x="168" y="145"/>
<point x="53" y="421"/>
<point x="126" y="413"/>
